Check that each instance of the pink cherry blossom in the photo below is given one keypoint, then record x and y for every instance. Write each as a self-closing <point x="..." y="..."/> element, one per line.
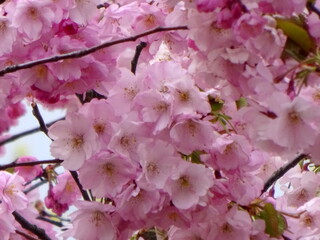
<point x="32" y="18"/>
<point x="11" y="195"/>
<point x="107" y="174"/>
<point x="188" y="183"/>
<point x="72" y="141"/>
<point x="28" y="173"/>
<point x="92" y="220"/>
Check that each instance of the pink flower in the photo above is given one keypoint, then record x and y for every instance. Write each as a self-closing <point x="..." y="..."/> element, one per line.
<point x="188" y="183"/>
<point x="157" y="160"/>
<point x="295" y="127"/>
<point x="28" y="173"/>
<point x="192" y="134"/>
<point x="11" y="195"/>
<point x="106" y="174"/>
<point x="7" y="35"/>
<point x="73" y="141"/>
<point x="33" y="17"/>
<point x="66" y="191"/>
<point x="6" y="224"/>
<point x="235" y="225"/>
<point x="92" y="220"/>
<point x="155" y="108"/>
<point x="83" y="11"/>
<point x="135" y="203"/>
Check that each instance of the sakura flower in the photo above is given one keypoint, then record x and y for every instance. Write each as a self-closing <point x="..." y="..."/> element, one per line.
<point x="73" y="141"/>
<point x="33" y="17"/>
<point x="101" y="115"/>
<point x="188" y="183"/>
<point x="6" y="224"/>
<point x="106" y="174"/>
<point x="66" y="190"/>
<point x="134" y="203"/>
<point x="155" y="108"/>
<point x="192" y="134"/>
<point x="157" y="159"/>
<point x="83" y="11"/>
<point x="92" y="220"/>
<point x="11" y="194"/>
<point x="7" y="34"/>
<point x="29" y="172"/>
<point x="294" y="127"/>
<point x="236" y="225"/>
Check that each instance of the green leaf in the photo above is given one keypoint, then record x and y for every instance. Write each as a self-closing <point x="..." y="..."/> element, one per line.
<point x="296" y="33"/>
<point x="216" y="104"/>
<point x="276" y="223"/>
<point x="241" y="102"/>
<point x="195" y="156"/>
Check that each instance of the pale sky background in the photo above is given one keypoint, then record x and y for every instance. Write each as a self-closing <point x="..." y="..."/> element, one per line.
<point x="36" y="144"/>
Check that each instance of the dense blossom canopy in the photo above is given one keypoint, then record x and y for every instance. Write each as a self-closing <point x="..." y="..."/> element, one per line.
<point x="180" y="118"/>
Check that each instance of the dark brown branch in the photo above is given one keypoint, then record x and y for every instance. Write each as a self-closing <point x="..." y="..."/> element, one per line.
<point x="56" y="223"/>
<point x="311" y="7"/>
<point x="26" y="236"/>
<point x="38" y="116"/>
<point x="87" y="51"/>
<point x="23" y="134"/>
<point x="26" y="164"/>
<point x="31" y="227"/>
<point x="85" y="195"/>
<point x="135" y="59"/>
<point x="38" y="184"/>
<point x="281" y="171"/>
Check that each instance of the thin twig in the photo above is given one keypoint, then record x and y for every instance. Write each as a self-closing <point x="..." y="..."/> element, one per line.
<point x="85" y="195"/>
<point x="87" y="51"/>
<point x="28" y="132"/>
<point x="26" y="236"/>
<point x="38" y="116"/>
<point x="38" y="184"/>
<point x="313" y="8"/>
<point x="31" y="227"/>
<point x="56" y="223"/>
<point x="281" y="171"/>
<point x="28" y="164"/>
<point x="135" y="59"/>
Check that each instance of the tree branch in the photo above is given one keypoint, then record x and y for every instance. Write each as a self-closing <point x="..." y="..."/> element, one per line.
<point x="38" y="116"/>
<point x="281" y="171"/>
<point x="31" y="227"/>
<point x="135" y="59"/>
<point x="28" y="164"/>
<point x="23" y="134"/>
<point x="38" y="184"/>
<point x="87" y="51"/>
<point x="85" y="195"/>
<point x="26" y="236"/>
<point x="311" y="7"/>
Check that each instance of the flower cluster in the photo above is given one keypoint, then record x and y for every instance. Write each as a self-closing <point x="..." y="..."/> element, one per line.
<point x="183" y="132"/>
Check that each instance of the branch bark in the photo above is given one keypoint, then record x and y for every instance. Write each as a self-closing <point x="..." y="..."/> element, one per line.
<point x="87" y="51"/>
<point x="28" y="164"/>
<point x="281" y="171"/>
<point x="135" y="59"/>
<point x="23" y="134"/>
<point x="31" y="227"/>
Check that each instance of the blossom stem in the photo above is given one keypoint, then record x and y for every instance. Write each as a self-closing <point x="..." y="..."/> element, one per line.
<point x="26" y="164"/>
<point x="135" y="59"/>
<point x="38" y="116"/>
<point x="87" y="51"/>
<point x="23" y="134"/>
<point x="85" y="195"/>
<point x="281" y="171"/>
<point x="26" y="236"/>
<point x="31" y="227"/>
